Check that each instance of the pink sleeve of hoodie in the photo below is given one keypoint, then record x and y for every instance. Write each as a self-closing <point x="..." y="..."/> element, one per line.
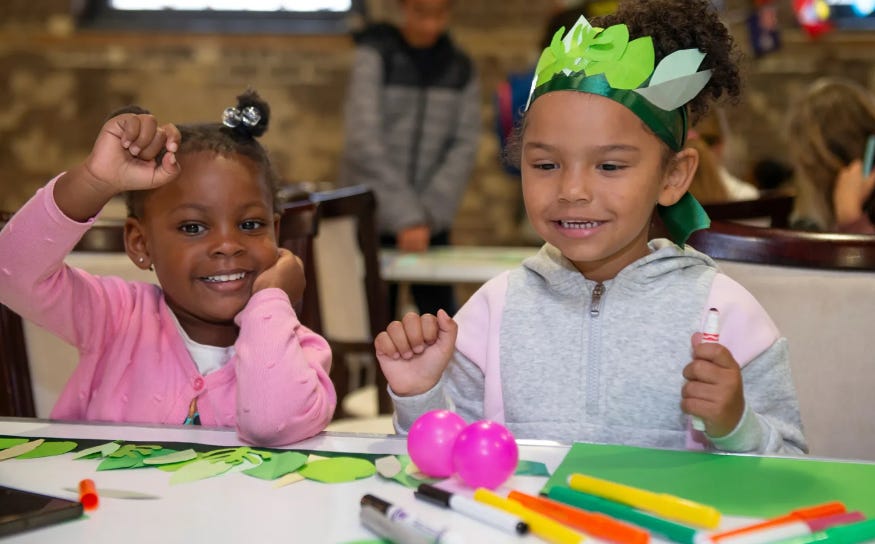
<point x="284" y="393"/>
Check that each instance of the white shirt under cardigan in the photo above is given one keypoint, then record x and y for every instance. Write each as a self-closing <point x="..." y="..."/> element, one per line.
<point x="532" y="353"/>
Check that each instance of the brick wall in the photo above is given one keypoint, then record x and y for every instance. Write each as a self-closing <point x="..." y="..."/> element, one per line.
<point x="57" y="84"/>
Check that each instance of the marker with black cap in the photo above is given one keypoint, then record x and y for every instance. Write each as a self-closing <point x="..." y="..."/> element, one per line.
<point x="473" y="509"/>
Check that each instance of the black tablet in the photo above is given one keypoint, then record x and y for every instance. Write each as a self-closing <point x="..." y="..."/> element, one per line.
<point x="23" y="510"/>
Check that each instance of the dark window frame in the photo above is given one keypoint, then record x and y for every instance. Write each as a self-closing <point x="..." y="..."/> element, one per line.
<point x="99" y="15"/>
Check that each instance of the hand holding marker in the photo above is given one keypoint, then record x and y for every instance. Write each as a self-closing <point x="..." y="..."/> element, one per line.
<point x="710" y="334"/>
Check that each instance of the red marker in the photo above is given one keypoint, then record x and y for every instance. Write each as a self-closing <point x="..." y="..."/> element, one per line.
<point x="88" y="494"/>
<point x="710" y="335"/>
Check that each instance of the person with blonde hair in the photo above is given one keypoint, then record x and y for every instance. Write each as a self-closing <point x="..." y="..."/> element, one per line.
<point x="828" y="127"/>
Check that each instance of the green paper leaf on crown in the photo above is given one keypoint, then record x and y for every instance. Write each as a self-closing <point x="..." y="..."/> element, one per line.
<point x="609" y="45"/>
<point x="674" y="93"/>
<point x="634" y="67"/>
<point x="678" y="64"/>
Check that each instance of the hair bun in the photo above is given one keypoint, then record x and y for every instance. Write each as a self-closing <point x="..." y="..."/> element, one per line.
<point x="249" y="117"/>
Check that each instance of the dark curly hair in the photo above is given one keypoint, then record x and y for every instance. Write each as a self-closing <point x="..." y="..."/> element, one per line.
<point x="221" y="140"/>
<point x="685" y="24"/>
<point x="673" y="25"/>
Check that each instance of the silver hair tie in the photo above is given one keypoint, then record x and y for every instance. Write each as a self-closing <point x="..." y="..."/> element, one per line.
<point x="249" y="116"/>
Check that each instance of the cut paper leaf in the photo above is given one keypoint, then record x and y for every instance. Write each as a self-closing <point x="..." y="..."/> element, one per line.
<point x="338" y="469"/>
<point x="278" y="465"/>
<point x="49" y="449"/>
<point x="531" y="468"/>
<point x="289" y="479"/>
<point x="313" y="457"/>
<point x="610" y="44"/>
<point x="406" y="479"/>
<point x="134" y="450"/>
<point x="9" y="442"/>
<point x="413" y="471"/>
<point x="20" y="449"/>
<point x="102" y="450"/>
<point x="235" y="456"/>
<point x="678" y="64"/>
<point x="132" y="459"/>
<point x="199" y="470"/>
<point x="675" y="93"/>
<point x="170" y="458"/>
<point x="634" y="67"/>
<point x="388" y="467"/>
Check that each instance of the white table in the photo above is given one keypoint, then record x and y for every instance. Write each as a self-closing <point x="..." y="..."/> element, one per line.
<point x="451" y="264"/>
<point x="233" y="507"/>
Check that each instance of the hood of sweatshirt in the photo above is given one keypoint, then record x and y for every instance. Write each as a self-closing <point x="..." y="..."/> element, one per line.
<point x="645" y="273"/>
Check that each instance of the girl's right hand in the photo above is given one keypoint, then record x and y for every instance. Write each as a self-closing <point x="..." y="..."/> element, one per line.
<point x="414" y="352"/>
<point x="850" y="192"/>
<point x="123" y="156"/>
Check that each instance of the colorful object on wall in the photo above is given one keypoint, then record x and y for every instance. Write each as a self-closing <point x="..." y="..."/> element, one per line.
<point x="813" y="16"/>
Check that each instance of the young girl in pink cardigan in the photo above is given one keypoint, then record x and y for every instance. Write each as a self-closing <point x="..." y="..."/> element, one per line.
<point x="218" y="342"/>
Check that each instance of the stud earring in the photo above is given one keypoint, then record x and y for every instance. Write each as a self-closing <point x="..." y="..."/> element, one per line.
<point x="141" y="260"/>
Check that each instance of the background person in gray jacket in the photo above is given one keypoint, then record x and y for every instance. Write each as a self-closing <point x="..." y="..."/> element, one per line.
<point x="412" y="130"/>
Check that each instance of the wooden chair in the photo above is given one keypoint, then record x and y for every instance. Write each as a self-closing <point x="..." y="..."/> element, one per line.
<point x="352" y="294"/>
<point x="819" y="289"/>
<point x="738" y="242"/>
<point x="772" y="205"/>
<point x="17" y="381"/>
<point x="298" y="227"/>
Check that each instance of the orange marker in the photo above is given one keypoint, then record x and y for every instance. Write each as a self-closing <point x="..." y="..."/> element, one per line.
<point x="802" y="514"/>
<point x="597" y="525"/>
<point x="88" y="494"/>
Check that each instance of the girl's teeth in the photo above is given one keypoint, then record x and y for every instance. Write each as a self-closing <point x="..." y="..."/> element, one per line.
<point x="579" y="224"/>
<point x="226" y="277"/>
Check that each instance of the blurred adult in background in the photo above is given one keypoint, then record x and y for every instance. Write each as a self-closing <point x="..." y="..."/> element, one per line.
<point x="828" y="127"/>
<point x="412" y="118"/>
<point x="713" y="130"/>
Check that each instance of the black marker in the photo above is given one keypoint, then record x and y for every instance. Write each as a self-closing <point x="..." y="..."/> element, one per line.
<point x="406" y="528"/>
<point x="473" y="509"/>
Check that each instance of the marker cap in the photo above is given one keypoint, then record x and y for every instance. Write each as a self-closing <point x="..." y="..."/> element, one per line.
<point x="88" y="494"/>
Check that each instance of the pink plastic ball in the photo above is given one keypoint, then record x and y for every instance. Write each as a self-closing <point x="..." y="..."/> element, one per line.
<point x="485" y="454"/>
<point x="430" y="442"/>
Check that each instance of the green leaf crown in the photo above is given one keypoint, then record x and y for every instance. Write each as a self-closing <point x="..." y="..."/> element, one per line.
<point x="603" y="61"/>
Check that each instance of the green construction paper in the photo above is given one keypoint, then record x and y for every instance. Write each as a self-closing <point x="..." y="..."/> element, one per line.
<point x="133" y="458"/>
<point x="675" y="65"/>
<point x="101" y="450"/>
<point x="683" y="218"/>
<point x="278" y="465"/>
<point x="405" y="479"/>
<point x="49" y="449"/>
<point x="235" y="456"/>
<point x="338" y="470"/>
<point x="370" y="541"/>
<point x="531" y="468"/>
<point x="609" y="44"/>
<point x="737" y="485"/>
<point x="677" y="92"/>
<point x="635" y="66"/>
<point x="176" y="457"/>
<point x="199" y="470"/>
<point x="134" y="450"/>
<point x="9" y="442"/>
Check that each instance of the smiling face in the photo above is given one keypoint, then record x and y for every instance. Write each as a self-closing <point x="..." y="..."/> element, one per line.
<point x="208" y="234"/>
<point x="592" y="174"/>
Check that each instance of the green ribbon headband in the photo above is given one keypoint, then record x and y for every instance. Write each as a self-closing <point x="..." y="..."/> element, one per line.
<point x="605" y="62"/>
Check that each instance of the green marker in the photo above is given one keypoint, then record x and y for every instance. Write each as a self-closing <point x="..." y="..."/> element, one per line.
<point x="853" y="533"/>
<point x="668" y="529"/>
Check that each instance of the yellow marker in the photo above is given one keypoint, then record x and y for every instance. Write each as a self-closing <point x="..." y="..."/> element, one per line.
<point x="544" y="527"/>
<point x="662" y="504"/>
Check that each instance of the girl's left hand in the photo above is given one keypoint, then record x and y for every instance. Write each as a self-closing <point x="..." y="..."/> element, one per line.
<point x="714" y="390"/>
<point x="850" y="192"/>
<point x="287" y="273"/>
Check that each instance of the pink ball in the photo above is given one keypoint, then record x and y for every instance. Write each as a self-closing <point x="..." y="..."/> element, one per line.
<point x="430" y="442"/>
<point x="485" y="454"/>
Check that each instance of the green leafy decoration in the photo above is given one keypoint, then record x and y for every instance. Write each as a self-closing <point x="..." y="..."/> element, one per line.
<point x="235" y="456"/>
<point x="9" y="442"/>
<point x="102" y="450"/>
<point x="198" y="470"/>
<point x="278" y="465"/>
<point x="49" y="449"/>
<point x="132" y="457"/>
<point x="133" y="450"/>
